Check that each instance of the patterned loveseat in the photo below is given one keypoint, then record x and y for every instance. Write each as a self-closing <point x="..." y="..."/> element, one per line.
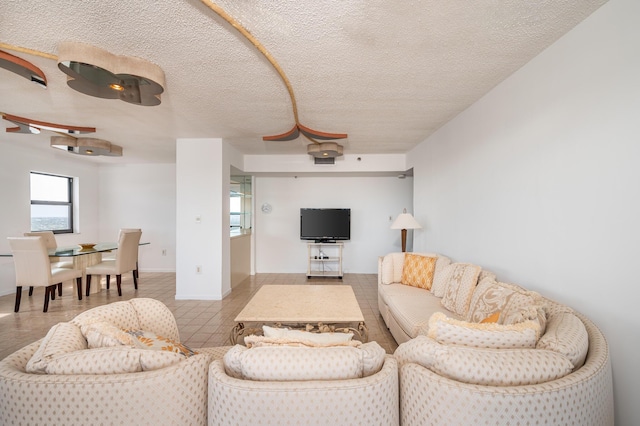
<point x="58" y="380"/>
<point x="301" y="382"/>
<point x="474" y="350"/>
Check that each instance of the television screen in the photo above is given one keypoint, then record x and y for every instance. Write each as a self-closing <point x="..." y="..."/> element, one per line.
<point x="325" y="224"/>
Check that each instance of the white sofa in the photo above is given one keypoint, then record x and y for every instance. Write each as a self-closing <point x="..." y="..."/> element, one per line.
<point x="541" y="363"/>
<point x="75" y="385"/>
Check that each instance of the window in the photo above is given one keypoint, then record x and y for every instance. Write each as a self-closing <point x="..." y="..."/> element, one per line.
<point x="51" y="203"/>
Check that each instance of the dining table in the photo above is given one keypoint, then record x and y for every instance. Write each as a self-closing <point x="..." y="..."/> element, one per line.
<point x="82" y="256"/>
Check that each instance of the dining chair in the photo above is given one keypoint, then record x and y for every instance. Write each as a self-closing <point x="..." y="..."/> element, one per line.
<point x="135" y="271"/>
<point x="125" y="261"/>
<point x="51" y="243"/>
<point x="33" y="269"/>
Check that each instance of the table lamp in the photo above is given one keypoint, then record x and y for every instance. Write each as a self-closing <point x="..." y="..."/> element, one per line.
<point x="403" y="222"/>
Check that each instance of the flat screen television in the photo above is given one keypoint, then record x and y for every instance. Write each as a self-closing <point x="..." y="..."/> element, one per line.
<point x="325" y="225"/>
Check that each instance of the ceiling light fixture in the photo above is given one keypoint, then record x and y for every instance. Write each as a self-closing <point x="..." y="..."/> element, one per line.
<point x="28" y="126"/>
<point x="298" y="128"/>
<point x="96" y="72"/>
<point x="23" y="68"/>
<point x="325" y="150"/>
<point x="86" y="146"/>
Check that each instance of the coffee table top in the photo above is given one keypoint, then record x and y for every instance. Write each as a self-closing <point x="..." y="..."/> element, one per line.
<point x="302" y="304"/>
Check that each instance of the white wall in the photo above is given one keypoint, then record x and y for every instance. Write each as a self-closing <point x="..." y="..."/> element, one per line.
<point x="15" y="164"/>
<point x="202" y="219"/>
<point x="539" y="182"/>
<point x="141" y="196"/>
<point x="372" y="200"/>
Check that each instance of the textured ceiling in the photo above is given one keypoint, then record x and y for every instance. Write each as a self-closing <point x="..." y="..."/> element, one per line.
<point x="388" y="73"/>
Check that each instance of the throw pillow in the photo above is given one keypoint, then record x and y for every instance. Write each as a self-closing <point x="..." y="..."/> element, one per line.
<point x="111" y="360"/>
<point x="62" y="338"/>
<point x="319" y="339"/>
<point x="487" y="367"/>
<point x="449" y="331"/>
<point x="418" y="270"/>
<point x="101" y="334"/>
<point x="150" y="340"/>
<point x="463" y="279"/>
<point x="493" y="318"/>
<point x="287" y="363"/>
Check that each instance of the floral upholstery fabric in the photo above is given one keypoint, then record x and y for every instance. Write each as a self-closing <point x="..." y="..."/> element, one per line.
<point x="371" y="400"/>
<point x="463" y="278"/>
<point x="153" y="341"/>
<point x="514" y="303"/>
<point x="450" y="331"/>
<point x="101" y="334"/>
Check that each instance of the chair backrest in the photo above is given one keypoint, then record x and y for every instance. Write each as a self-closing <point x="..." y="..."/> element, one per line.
<point x="127" y="254"/>
<point x="48" y="237"/>
<point x="122" y="230"/>
<point x="31" y="260"/>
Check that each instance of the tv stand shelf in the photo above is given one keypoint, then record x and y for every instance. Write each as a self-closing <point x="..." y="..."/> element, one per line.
<point x="324" y="260"/>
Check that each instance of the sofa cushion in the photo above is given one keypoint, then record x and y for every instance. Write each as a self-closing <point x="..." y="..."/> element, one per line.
<point x="463" y="278"/>
<point x="111" y="360"/>
<point x="295" y="363"/>
<point x="418" y="270"/>
<point x="450" y="331"/>
<point x="514" y="303"/>
<point x="488" y="367"/>
<point x="412" y="307"/>
<point x="567" y="335"/>
<point x="313" y="339"/>
<point x="62" y="338"/>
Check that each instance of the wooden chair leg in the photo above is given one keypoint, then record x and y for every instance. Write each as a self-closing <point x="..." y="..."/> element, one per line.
<point x="135" y="280"/>
<point x="53" y="291"/>
<point x="119" y="283"/>
<point x="18" y="297"/>
<point x="60" y="289"/>
<point x="48" y="290"/>
<point x="79" y="284"/>
<point x="88" y="285"/>
<point x="108" y="281"/>
<point x="30" y="291"/>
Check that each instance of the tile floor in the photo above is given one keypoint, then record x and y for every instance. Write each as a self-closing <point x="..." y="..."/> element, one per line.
<point x="201" y="323"/>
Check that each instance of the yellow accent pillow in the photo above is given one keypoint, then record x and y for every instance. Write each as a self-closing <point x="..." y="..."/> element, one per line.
<point x="417" y="270"/>
<point x="491" y="318"/>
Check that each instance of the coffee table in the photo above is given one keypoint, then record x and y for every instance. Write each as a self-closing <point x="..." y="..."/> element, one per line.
<point x="316" y="308"/>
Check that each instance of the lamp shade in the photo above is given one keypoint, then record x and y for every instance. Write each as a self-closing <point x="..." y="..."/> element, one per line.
<point x="405" y="221"/>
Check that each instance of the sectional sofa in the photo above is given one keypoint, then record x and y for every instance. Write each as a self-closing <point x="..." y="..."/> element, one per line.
<point x="474" y="350"/>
